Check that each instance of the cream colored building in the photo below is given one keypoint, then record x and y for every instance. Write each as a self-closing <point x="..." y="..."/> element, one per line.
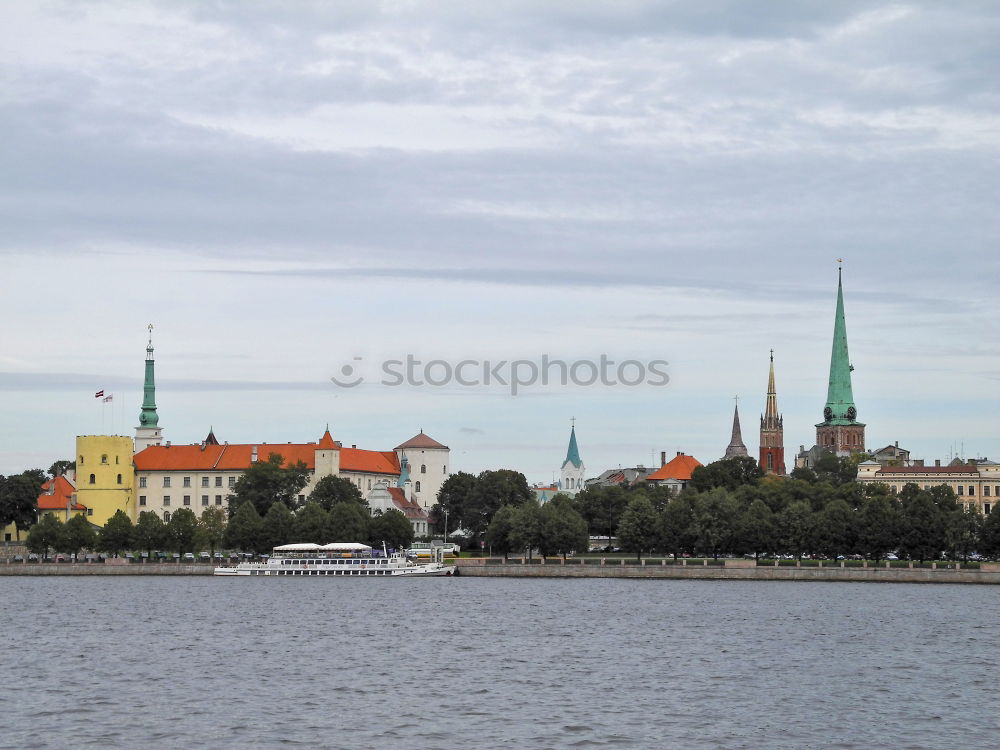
<point x="975" y="483"/>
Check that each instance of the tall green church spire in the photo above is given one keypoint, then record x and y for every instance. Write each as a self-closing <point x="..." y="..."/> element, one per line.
<point x="572" y="452"/>
<point x="148" y="416"/>
<point x="840" y="409"/>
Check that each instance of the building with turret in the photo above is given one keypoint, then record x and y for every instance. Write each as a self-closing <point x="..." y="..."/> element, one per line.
<point x="148" y="432"/>
<point x="840" y="433"/>
<point x="736" y="446"/>
<point x="772" y="430"/>
<point x="572" y="473"/>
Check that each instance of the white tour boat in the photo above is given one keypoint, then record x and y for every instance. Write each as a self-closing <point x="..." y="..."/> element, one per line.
<point x="336" y="559"/>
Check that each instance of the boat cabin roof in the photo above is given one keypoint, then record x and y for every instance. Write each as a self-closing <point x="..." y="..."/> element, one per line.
<point x="332" y="547"/>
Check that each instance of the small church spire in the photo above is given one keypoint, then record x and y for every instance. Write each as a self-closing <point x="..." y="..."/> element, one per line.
<point x="148" y="416"/>
<point x="736" y="446"/>
<point x="572" y="473"/>
<point x="772" y="433"/>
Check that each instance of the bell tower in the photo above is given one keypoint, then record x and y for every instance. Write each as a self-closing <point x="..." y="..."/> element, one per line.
<point x="840" y="432"/>
<point x="772" y="431"/>
<point x="148" y="432"/>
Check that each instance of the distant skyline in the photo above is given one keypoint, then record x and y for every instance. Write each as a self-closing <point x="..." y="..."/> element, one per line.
<point x="280" y="189"/>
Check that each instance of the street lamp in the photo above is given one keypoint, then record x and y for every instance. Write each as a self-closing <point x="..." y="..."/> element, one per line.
<point x="446" y="526"/>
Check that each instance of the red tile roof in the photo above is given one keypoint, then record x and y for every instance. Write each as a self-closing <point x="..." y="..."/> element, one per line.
<point x="410" y="509"/>
<point x="326" y="442"/>
<point x="240" y="457"/>
<point x="420" y="440"/>
<point x="964" y="469"/>
<point x="679" y="467"/>
<point x="58" y="500"/>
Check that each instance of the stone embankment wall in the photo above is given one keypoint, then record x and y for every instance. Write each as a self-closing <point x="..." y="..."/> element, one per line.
<point x="97" y="569"/>
<point x="740" y="570"/>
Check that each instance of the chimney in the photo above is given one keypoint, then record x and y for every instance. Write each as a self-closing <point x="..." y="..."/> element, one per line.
<point x="354" y="446"/>
<point x="679" y="453"/>
<point x="168" y="443"/>
<point x="253" y="455"/>
<point x="663" y="458"/>
<point x="918" y="462"/>
<point x="203" y="445"/>
<point x="897" y="443"/>
<point x="937" y="461"/>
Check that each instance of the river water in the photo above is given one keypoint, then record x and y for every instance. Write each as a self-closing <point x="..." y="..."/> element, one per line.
<point x="110" y="662"/>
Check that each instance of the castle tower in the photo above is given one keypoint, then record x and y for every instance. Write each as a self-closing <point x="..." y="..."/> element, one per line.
<point x="736" y="446"/>
<point x="772" y="431"/>
<point x="148" y="432"/>
<point x="840" y="433"/>
<point x="573" y="473"/>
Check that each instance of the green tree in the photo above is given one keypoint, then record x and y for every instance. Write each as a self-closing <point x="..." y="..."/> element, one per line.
<point x="348" y="522"/>
<point x="245" y="527"/>
<point x="312" y="524"/>
<point x="728" y="473"/>
<point x="212" y="528"/>
<point x="677" y="527"/>
<point x="836" y="529"/>
<point x="117" y="534"/>
<point x="268" y="482"/>
<point x="78" y="534"/>
<point x="602" y="508"/>
<point x="182" y="530"/>
<point x="526" y="527"/>
<point x="962" y="530"/>
<point x="878" y="526"/>
<point x="796" y="528"/>
<point x="637" y="527"/>
<point x="989" y="536"/>
<point x="45" y="534"/>
<point x="836" y="469"/>
<point x="149" y="532"/>
<point x="391" y="528"/>
<point x="279" y="527"/>
<point x="756" y="528"/>
<point x="499" y="532"/>
<point x="922" y="525"/>
<point x="19" y="498"/>
<point x="331" y="490"/>
<point x="493" y="490"/>
<point x="563" y="530"/>
<point x="61" y="468"/>
<point x="455" y="496"/>
<point x="716" y="515"/>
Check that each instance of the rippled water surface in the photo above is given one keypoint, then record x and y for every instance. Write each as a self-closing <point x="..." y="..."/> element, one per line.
<point x="445" y="663"/>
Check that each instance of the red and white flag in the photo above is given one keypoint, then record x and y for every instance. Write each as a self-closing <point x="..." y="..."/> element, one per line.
<point x="108" y="398"/>
<point x="99" y="394"/>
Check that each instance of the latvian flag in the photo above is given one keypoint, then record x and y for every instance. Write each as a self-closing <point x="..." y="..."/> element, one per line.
<point x="99" y="394"/>
<point x="108" y="398"/>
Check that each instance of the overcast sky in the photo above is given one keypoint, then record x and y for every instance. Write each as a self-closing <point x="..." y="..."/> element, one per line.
<point x="283" y="187"/>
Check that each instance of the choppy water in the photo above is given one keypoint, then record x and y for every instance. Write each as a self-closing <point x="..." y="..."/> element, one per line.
<point x="447" y="663"/>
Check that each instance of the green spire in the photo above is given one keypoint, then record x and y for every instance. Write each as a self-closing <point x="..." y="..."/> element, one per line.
<point x="572" y="452"/>
<point x="148" y="416"/>
<point x="840" y="407"/>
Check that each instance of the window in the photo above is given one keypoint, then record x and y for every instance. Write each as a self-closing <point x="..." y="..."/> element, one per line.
<point x="218" y="481"/>
<point x="166" y="515"/>
<point x="218" y="499"/>
<point x="116" y="460"/>
<point x="119" y="479"/>
<point x="770" y="462"/>
<point x="187" y="499"/>
<point x="104" y="458"/>
<point x="417" y="487"/>
<point x="142" y="482"/>
<point x="81" y="460"/>
<point x="90" y="511"/>
<point x="166" y="500"/>
<point x="204" y="481"/>
<point x="204" y="499"/>
<point x="142" y="500"/>
<point x="93" y="479"/>
<point x="961" y="490"/>
<point x="972" y="490"/>
<point x="232" y="482"/>
<point x="444" y="469"/>
<point x="986" y="508"/>
<point x="986" y="491"/>
<point x="187" y="481"/>
<point x="369" y="482"/>
<point x="166" y="481"/>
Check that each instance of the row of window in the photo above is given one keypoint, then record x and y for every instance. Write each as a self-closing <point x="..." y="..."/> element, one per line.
<point x="104" y="460"/>
<point x="186" y="481"/>
<point x="93" y="479"/>
<point x="187" y="500"/>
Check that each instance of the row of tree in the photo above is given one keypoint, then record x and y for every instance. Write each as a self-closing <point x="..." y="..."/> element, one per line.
<point x="554" y="528"/>
<point x="183" y="533"/>
<point x="344" y="522"/>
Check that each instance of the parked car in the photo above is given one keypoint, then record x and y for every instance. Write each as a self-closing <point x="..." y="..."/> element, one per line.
<point x="161" y="556"/>
<point x="61" y="558"/>
<point x="204" y="556"/>
<point x="18" y="558"/>
<point x="891" y="556"/>
<point x="218" y="556"/>
<point x="32" y="557"/>
<point x="189" y="557"/>
<point x="90" y="558"/>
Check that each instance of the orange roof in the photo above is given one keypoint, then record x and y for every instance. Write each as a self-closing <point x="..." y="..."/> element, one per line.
<point x="679" y="467"/>
<point x="420" y="440"/>
<point x="408" y="508"/>
<point x="326" y="442"/>
<point x="370" y="462"/>
<point x="61" y="496"/>
<point x="240" y="457"/>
